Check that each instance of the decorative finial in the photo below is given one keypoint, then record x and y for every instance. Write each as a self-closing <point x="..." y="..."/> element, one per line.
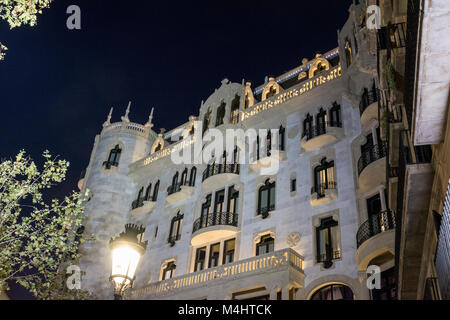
<point x="108" y="119"/>
<point x="125" y="117"/>
<point x="150" y="119"/>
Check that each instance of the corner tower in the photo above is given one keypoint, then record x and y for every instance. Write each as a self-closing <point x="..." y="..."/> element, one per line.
<point x="110" y="192"/>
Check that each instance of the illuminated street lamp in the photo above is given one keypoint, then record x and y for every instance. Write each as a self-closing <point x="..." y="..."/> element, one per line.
<point x="126" y="250"/>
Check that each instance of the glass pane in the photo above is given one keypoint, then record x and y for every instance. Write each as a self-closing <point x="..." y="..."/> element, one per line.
<point x="335" y="239"/>
<point x="272" y="197"/>
<point x="264" y="197"/>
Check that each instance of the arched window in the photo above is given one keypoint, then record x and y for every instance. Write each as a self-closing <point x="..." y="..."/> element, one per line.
<point x="234" y="114"/>
<point x="192" y="177"/>
<point x="220" y="115"/>
<point x="175" y="228"/>
<point x="348" y="52"/>
<point x="320" y="68"/>
<point x="268" y="143"/>
<point x="175" y="179"/>
<point x="114" y="157"/>
<point x="257" y="147"/>
<point x="266" y="198"/>
<point x="265" y="245"/>
<point x="307" y="126"/>
<point x="158" y="147"/>
<point x="327" y="237"/>
<point x="335" y="115"/>
<point x="324" y="177"/>
<point x="147" y="192"/>
<point x="333" y="292"/>
<point x="206" y="120"/>
<point x="184" y="177"/>
<point x="169" y="270"/>
<point x="206" y="212"/>
<point x="272" y="92"/>
<point x="321" y="121"/>
<point x="139" y="199"/>
<point x="281" y="137"/>
<point x="155" y="191"/>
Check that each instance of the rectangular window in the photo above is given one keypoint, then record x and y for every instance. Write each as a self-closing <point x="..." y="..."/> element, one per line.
<point x="233" y="197"/>
<point x="293" y="185"/>
<point x="266" y="245"/>
<point x="200" y="259"/>
<point x="219" y="201"/>
<point x="328" y="247"/>
<point x="214" y="252"/>
<point x="228" y="251"/>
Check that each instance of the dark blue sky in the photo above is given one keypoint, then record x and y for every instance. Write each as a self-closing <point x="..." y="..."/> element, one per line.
<point x="57" y="85"/>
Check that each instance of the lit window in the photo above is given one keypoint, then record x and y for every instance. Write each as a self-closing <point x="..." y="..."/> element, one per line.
<point x="265" y="245"/>
<point x="266" y="198"/>
<point x="169" y="270"/>
<point x="328" y="248"/>
<point x="323" y="177"/>
<point x="175" y="228"/>
<point x="228" y="251"/>
<point x="214" y="252"/>
<point x="114" y="157"/>
<point x="200" y="259"/>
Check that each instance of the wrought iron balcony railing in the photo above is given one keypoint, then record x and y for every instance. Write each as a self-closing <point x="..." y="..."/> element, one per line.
<point x="320" y="129"/>
<point x="329" y="256"/>
<point x="177" y="187"/>
<point x="109" y="164"/>
<point x="368" y="97"/>
<point x="215" y="219"/>
<point x="392" y="36"/>
<point x="215" y="169"/>
<point x="381" y="222"/>
<point x="321" y="187"/>
<point x="374" y="153"/>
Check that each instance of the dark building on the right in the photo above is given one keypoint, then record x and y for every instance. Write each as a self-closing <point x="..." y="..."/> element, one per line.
<point x="413" y="52"/>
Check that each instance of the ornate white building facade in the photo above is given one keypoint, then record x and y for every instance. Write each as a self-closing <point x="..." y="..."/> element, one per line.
<point x="233" y="230"/>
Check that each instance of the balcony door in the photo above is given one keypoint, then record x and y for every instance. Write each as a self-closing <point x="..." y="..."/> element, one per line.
<point x="373" y="213"/>
<point x="206" y="212"/>
<point x="219" y="203"/>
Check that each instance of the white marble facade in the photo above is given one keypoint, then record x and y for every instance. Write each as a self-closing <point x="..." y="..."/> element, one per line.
<point x="296" y="214"/>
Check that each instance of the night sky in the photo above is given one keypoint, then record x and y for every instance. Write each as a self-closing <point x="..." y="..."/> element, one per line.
<point x="57" y="85"/>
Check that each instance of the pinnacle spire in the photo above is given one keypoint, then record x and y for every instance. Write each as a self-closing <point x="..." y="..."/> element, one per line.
<point x="150" y="120"/>
<point x="125" y="117"/>
<point x="108" y="119"/>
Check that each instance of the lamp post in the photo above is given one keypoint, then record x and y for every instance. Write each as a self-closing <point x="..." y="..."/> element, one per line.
<point x="126" y="250"/>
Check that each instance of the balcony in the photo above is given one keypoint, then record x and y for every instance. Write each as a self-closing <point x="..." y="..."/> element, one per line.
<point x="286" y="265"/>
<point x="372" y="167"/>
<point x="392" y="36"/>
<point x="214" y="227"/>
<point x="271" y="159"/>
<point x="323" y="193"/>
<point x="219" y="174"/>
<point x="368" y="106"/>
<point x="323" y="134"/>
<point x="179" y="191"/>
<point x="376" y="239"/>
<point x="141" y="206"/>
